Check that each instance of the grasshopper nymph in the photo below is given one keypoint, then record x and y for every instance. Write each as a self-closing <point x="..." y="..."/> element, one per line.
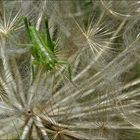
<point x="43" y="50"/>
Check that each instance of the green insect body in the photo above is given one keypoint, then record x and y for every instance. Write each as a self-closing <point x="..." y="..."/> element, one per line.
<point x="43" y="50"/>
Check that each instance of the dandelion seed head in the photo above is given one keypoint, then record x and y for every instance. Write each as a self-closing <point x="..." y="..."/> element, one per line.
<point x="121" y="9"/>
<point x="98" y="104"/>
<point x="9" y="23"/>
<point x="132" y="31"/>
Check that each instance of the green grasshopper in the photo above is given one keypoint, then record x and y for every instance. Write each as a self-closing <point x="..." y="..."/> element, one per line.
<point x="43" y="49"/>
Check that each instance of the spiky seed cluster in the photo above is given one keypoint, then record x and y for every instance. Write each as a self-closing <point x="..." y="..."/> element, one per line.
<point x="102" y="100"/>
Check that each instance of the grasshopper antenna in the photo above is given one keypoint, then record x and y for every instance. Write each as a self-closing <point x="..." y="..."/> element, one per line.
<point x="27" y="24"/>
<point x="49" y="41"/>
